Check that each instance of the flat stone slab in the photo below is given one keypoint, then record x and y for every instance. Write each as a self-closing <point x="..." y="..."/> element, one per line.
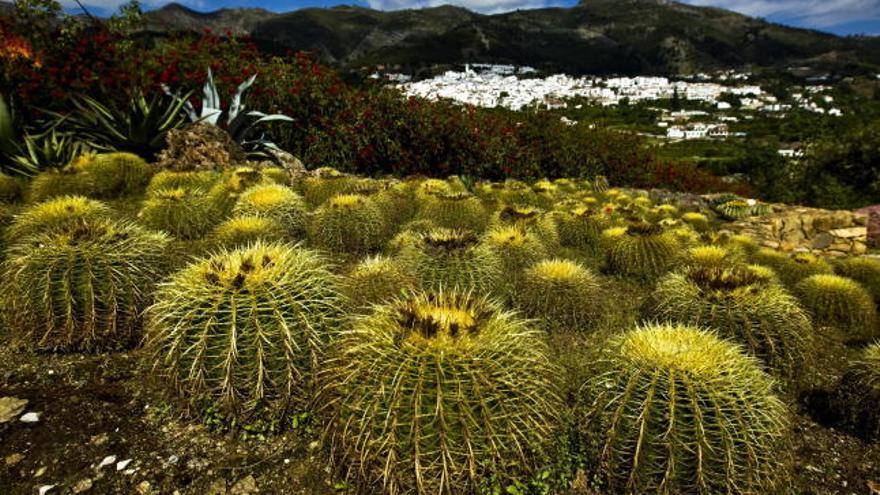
<point x="850" y="233"/>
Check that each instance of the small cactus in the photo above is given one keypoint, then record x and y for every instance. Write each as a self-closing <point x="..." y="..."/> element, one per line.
<point x="865" y="271"/>
<point x="437" y="392"/>
<point x="348" y="223"/>
<point x="243" y="330"/>
<point x="317" y="190"/>
<point x="792" y="268"/>
<point x="82" y="286"/>
<point x="168" y="179"/>
<point x="840" y="303"/>
<point x="10" y="189"/>
<point x="275" y="202"/>
<point x="531" y="219"/>
<point x="455" y="211"/>
<point x="52" y="183"/>
<point x="677" y="410"/>
<point x="712" y="256"/>
<point x="643" y="251"/>
<point x="581" y="228"/>
<point x="516" y="249"/>
<point x="113" y="175"/>
<point x="446" y="259"/>
<point x="243" y="231"/>
<point x="185" y="213"/>
<point x="857" y="400"/>
<point x="743" y="306"/>
<point x="561" y="294"/>
<point x="377" y="280"/>
<point x="697" y="221"/>
<point x="53" y="214"/>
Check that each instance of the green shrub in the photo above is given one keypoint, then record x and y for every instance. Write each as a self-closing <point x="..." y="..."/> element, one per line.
<point x="377" y="280"/>
<point x="278" y="203"/>
<point x="840" y="303"/>
<point x="444" y="259"/>
<point x="455" y="211"/>
<point x="742" y="306"/>
<point x="678" y="410"/>
<point x="643" y="251"/>
<point x="865" y="271"/>
<point x="242" y="331"/>
<point x="54" y="214"/>
<point x="348" y="223"/>
<point x="438" y="393"/>
<point x="82" y="286"/>
<point x="561" y="294"/>
<point x="183" y="212"/>
<point x="242" y="231"/>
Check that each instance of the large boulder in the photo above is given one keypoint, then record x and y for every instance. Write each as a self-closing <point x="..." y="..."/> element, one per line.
<point x="200" y="146"/>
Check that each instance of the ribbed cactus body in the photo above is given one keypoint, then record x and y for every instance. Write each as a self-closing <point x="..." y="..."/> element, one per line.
<point x="317" y="190"/>
<point x="857" y="402"/>
<point x="581" y="228"/>
<point x="697" y="221"/>
<point x="840" y="303"/>
<point x="515" y="249"/>
<point x="348" y="223"/>
<point x="169" y="179"/>
<point x="52" y="183"/>
<point x="53" y="214"/>
<point x="243" y="329"/>
<point x="561" y="294"/>
<point x="182" y="212"/>
<point x="242" y="231"/>
<point x="438" y="392"/>
<point x="445" y="259"/>
<point x="742" y="306"/>
<point x="83" y="286"/>
<point x="455" y="211"/>
<point x="376" y="280"/>
<point x="276" y="202"/>
<point x="642" y="251"/>
<point x="113" y="175"/>
<point x="532" y="219"/>
<point x="865" y="271"/>
<point x="792" y="268"/>
<point x="677" y="410"/>
<point x="10" y="189"/>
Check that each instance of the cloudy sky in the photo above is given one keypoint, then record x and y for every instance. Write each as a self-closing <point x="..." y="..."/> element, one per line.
<point x="838" y="16"/>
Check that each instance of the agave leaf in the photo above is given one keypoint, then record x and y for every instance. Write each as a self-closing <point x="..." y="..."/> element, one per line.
<point x="237" y="106"/>
<point x="7" y="128"/>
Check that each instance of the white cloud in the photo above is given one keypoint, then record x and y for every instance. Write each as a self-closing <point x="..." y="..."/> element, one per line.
<point x="811" y="13"/>
<point x="484" y="6"/>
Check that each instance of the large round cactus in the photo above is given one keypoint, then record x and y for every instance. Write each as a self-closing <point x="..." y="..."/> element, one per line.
<point x="561" y="294"/>
<point x="437" y="393"/>
<point x="792" y="268"/>
<point x="377" y="279"/>
<point x="455" y="211"/>
<point x="52" y="183"/>
<point x="348" y="223"/>
<point x="678" y="410"/>
<point x="55" y="213"/>
<point x="242" y="231"/>
<point x="448" y="258"/>
<point x="223" y="195"/>
<point x="741" y="305"/>
<point x="183" y="212"/>
<point x="242" y="330"/>
<point x="516" y="249"/>
<point x="865" y="271"/>
<point x="10" y="189"/>
<point x="580" y="228"/>
<point x="840" y="303"/>
<point x="857" y="401"/>
<point x="531" y="219"/>
<point x="169" y="179"/>
<point x="82" y="286"/>
<point x="278" y="203"/>
<point x="643" y="251"/>
<point x="317" y="190"/>
<point x="115" y="174"/>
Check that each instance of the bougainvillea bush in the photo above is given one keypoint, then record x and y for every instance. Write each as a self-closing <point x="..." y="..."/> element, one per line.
<point x="367" y="129"/>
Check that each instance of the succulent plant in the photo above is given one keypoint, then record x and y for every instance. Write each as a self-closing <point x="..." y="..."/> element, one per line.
<point x="581" y="228"/>
<point x="242" y="330"/>
<point x="516" y="249"/>
<point x="276" y="175"/>
<point x="709" y="256"/>
<point x="738" y="209"/>
<point x="225" y="193"/>
<point x="561" y="294"/>
<point x="112" y="175"/>
<point x="377" y="280"/>
<point x="643" y="251"/>
<point x="742" y="306"/>
<point x="245" y="230"/>
<point x="792" y="268"/>
<point x="169" y="179"/>
<point x="348" y="223"/>
<point x="840" y="303"/>
<point x="183" y="212"/>
<point x="53" y="214"/>
<point x="455" y="211"/>
<point x="82" y="286"/>
<point x="10" y="189"/>
<point x="445" y="259"/>
<point x="52" y="183"/>
<point x="865" y="271"/>
<point x="317" y="190"/>
<point x="857" y="401"/>
<point x="398" y="204"/>
<point x="531" y="219"/>
<point x="437" y="392"/>
<point x="697" y="221"/>
<point x="678" y="410"/>
<point x="276" y="202"/>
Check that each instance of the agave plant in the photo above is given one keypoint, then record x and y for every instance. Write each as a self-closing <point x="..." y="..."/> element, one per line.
<point x="139" y="127"/>
<point x="46" y="150"/>
<point x="240" y="124"/>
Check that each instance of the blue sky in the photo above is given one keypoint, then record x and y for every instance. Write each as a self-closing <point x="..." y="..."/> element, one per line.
<point x="837" y="16"/>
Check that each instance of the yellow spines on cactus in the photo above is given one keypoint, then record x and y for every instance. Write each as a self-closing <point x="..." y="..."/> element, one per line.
<point x="439" y="393"/>
<point x="82" y="286"/>
<point x="113" y="175"/>
<point x="532" y="219"/>
<point x="516" y="249"/>
<point x="743" y="306"/>
<point x="581" y="228"/>
<point x="182" y="212"/>
<point x="376" y="280"/>
<point x="451" y="259"/>
<point x="865" y="271"/>
<point x="712" y="256"/>
<point x="840" y="303"/>
<point x="240" y="231"/>
<point x="10" y="189"/>
<point x="169" y="179"/>
<point x="561" y="295"/>
<point x="856" y="403"/>
<point x="277" y="202"/>
<point x="643" y="251"/>
<point x="317" y="190"/>
<point x="243" y="330"/>
<point x="53" y="214"/>
<point x="697" y="221"/>
<point x="792" y="268"/>
<point x="225" y="193"/>
<point x="455" y="211"/>
<point x="678" y="410"/>
<point x="348" y="223"/>
<point x="52" y="183"/>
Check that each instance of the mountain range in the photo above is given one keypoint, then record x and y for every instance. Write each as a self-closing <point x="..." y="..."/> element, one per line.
<point x="624" y="37"/>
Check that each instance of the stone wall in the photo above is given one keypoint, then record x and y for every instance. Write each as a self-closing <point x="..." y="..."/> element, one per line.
<point x="790" y="228"/>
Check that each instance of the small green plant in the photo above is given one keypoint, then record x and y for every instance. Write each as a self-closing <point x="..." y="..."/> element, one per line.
<point x="437" y="392"/>
<point x="377" y="280"/>
<point x="82" y="286"/>
<point x="561" y="294"/>
<point x="243" y="330"/>
<point x="444" y="259"/>
<point x="738" y="209"/>
<point x="742" y="306"/>
<point x="348" y="223"/>
<point x="678" y="410"/>
<point x="275" y="202"/>
<point x="841" y="303"/>
<point x="642" y="251"/>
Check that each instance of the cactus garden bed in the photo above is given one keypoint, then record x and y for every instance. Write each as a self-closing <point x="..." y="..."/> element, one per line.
<point x="242" y="330"/>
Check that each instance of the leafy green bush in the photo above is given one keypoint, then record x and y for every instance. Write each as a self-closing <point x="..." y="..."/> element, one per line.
<point x="438" y="392"/>
<point x="82" y="286"/>
<point x="678" y="410"/>
<point x="243" y="330"/>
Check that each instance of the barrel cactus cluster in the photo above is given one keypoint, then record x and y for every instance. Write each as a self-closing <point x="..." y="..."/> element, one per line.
<point x="445" y="336"/>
